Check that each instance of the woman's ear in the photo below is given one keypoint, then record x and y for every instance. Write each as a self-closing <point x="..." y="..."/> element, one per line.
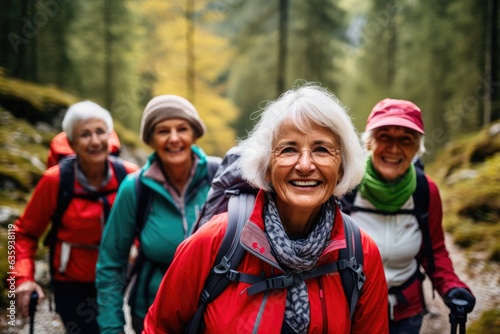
<point x="340" y="174"/>
<point x="268" y="175"/>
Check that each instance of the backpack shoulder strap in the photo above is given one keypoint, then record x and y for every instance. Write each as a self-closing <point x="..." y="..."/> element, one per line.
<point x="347" y="201"/>
<point x="352" y="280"/>
<point x="120" y="170"/>
<point x="64" y="196"/>
<point x="213" y="164"/>
<point x="144" y="196"/>
<point x="421" y="199"/>
<point x="228" y="256"/>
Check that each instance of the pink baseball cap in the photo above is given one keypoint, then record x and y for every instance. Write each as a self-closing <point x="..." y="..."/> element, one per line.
<point x="397" y="113"/>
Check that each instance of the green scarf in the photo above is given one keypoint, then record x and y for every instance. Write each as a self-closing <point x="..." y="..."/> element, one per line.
<point x="387" y="195"/>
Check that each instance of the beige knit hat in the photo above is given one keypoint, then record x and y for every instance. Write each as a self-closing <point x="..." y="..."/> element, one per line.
<point x="165" y="107"/>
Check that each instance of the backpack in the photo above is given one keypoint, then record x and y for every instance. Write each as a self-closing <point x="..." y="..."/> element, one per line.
<point x="59" y="147"/>
<point x="144" y="197"/>
<point x="66" y="194"/>
<point x="421" y="200"/>
<point x="231" y="193"/>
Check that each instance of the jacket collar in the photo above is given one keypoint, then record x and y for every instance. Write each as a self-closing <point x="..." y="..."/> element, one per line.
<point x="254" y="239"/>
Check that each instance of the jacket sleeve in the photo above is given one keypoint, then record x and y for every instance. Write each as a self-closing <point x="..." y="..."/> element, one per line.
<point x="117" y="238"/>
<point x="33" y="223"/>
<point x="444" y="277"/>
<point x="179" y="292"/>
<point x="370" y="315"/>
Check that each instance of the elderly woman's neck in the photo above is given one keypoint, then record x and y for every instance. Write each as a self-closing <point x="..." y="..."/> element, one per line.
<point x="95" y="173"/>
<point x="178" y="176"/>
<point x="298" y="223"/>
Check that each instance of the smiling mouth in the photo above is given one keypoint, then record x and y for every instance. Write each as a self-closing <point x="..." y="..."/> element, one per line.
<point x="305" y="183"/>
<point x="392" y="161"/>
<point x="177" y="150"/>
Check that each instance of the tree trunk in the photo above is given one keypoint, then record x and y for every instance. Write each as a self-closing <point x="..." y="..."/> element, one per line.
<point x="190" y="71"/>
<point x="108" y="56"/>
<point x="282" y="45"/>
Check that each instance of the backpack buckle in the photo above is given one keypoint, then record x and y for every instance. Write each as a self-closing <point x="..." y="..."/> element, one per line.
<point x="360" y="275"/>
<point x="223" y="266"/>
<point x="356" y="269"/>
<point x="204" y="296"/>
<point x="280" y="282"/>
<point x="233" y="275"/>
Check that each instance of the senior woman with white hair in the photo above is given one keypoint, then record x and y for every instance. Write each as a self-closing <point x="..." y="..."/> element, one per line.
<point x="302" y="155"/>
<point x="93" y="181"/>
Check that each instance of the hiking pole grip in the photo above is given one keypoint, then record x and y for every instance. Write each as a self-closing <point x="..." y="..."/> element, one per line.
<point x="458" y="316"/>
<point x="32" y="310"/>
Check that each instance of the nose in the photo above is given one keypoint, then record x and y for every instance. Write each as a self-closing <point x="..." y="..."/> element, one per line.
<point x="394" y="146"/>
<point x="95" y="138"/>
<point x="174" y="135"/>
<point x="305" y="162"/>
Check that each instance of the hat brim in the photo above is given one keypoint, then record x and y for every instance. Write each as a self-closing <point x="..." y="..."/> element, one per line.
<point x="394" y="121"/>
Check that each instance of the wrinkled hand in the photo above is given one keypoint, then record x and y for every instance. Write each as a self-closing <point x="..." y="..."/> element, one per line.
<point x="23" y="293"/>
<point x="460" y="293"/>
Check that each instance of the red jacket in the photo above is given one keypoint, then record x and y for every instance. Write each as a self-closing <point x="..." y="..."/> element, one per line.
<point x="81" y="223"/>
<point x="236" y="312"/>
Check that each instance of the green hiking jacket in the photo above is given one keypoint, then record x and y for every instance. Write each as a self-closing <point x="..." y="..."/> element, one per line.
<point x="163" y="231"/>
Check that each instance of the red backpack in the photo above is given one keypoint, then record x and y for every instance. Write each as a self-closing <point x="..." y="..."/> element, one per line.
<point x="59" y="147"/>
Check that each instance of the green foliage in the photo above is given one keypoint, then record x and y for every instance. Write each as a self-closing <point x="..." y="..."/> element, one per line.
<point x="22" y="153"/>
<point x="32" y="101"/>
<point x="468" y="172"/>
<point x="488" y="323"/>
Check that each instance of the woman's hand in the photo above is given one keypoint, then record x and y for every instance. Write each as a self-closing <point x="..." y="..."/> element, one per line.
<point x="23" y="294"/>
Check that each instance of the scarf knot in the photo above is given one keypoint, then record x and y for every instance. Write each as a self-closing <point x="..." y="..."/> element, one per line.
<point x="387" y="195"/>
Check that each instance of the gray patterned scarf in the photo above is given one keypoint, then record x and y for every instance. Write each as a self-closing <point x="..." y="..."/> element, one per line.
<point x="298" y="255"/>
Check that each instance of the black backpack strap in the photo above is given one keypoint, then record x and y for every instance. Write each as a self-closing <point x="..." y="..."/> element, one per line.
<point x="64" y="196"/>
<point x="352" y="280"/>
<point x="119" y="168"/>
<point x="228" y="257"/>
<point x="144" y="196"/>
<point x="213" y="164"/>
<point x="421" y="199"/>
<point x="347" y="202"/>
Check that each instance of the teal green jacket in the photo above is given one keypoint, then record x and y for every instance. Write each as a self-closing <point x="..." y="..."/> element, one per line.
<point x="163" y="231"/>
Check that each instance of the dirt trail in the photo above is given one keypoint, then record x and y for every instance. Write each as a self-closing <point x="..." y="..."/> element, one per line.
<point x="485" y="287"/>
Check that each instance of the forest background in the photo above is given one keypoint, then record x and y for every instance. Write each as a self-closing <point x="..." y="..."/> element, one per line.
<point x="229" y="57"/>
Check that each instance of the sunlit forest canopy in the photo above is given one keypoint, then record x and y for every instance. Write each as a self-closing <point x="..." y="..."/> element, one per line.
<point x="229" y="57"/>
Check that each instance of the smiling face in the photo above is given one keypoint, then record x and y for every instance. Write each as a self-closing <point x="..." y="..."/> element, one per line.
<point x="393" y="148"/>
<point x="304" y="169"/>
<point x="90" y="141"/>
<point x="172" y="140"/>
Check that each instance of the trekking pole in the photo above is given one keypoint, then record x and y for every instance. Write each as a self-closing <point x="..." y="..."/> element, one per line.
<point x="458" y="316"/>
<point x="32" y="310"/>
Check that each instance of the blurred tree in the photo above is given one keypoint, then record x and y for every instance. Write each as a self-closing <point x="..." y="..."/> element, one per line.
<point x="20" y="24"/>
<point x="431" y="52"/>
<point x="106" y="48"/>
<point x="167" y="27"/>
<point x="258" y="28"/>
<point x="54" y="44"/>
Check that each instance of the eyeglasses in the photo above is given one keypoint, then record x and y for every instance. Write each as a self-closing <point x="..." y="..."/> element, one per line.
<point x="289" y="155"/>
<point x="87" y="135"/>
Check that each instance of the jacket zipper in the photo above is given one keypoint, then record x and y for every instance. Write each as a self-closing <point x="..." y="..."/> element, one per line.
<point x="323" y="306"/>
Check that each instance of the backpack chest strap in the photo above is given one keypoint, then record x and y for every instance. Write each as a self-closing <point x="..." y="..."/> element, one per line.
<point x="260" y="284"/>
